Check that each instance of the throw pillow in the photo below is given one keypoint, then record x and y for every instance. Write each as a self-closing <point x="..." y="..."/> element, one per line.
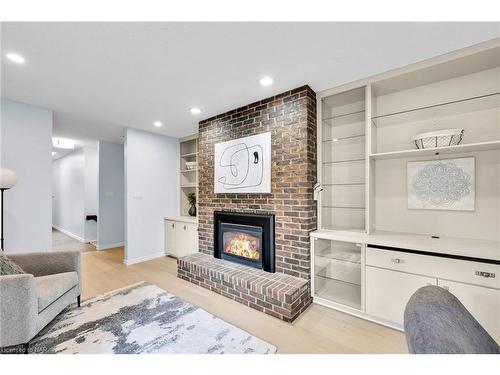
<point x="9" y="267"/>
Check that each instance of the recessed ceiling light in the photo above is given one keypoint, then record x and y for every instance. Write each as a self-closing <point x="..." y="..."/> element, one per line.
<point x="335" y="139"/>
<point x="16" y="58"/>
<point x="53" y="153"/>
<point x="195" y="111"/>
<point x="266" y="81"/>
<point x="158" y="124"/>
<point x="67" y="144"/>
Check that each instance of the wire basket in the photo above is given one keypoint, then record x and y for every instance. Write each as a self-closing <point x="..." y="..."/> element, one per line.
<point x="440" y="138"/>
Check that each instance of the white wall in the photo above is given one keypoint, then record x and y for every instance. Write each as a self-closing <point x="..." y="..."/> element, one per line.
<point x="91" y="191"/>
<point x="69" y="194"/>
<point x="111" y="216"/>
<point x="391" y="201"/>
<point x="25" y="147"/>
<point x="151" y="189"/>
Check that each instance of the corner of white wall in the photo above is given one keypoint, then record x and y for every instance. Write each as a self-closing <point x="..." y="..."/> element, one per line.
<point x="151" y="192"/>
<point x="111" y="217"/>
<point x="25" y="147"/>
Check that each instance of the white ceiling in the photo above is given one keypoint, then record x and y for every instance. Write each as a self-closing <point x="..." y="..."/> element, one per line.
<point x="100" y="78"/>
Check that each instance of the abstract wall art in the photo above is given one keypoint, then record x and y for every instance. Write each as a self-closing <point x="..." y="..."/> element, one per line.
<point x="442" y="184"/>
<point x="243" y="165"/>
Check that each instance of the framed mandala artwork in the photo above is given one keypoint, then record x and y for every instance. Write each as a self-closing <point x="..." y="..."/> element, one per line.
<point x="442" y="184"/>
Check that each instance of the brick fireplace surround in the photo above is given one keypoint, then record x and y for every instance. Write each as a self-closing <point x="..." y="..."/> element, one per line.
<point x="291" y="119"/>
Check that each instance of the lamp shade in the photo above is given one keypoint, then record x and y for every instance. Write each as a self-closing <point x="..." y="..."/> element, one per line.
<point x="7" y="178"/>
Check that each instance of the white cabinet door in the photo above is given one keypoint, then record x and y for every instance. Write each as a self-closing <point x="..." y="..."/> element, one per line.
<point x="170" y="237"/>
<point x="483" y="303"/>
<point x="193" y="238"/>
<point x="388" y="292"/>
<point x="182" y="239"/>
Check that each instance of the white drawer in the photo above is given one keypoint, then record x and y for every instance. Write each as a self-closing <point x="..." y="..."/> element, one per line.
<point x="444" y="268"/>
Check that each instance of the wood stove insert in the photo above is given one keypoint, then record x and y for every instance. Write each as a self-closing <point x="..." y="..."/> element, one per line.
<point x="245" y="238"/>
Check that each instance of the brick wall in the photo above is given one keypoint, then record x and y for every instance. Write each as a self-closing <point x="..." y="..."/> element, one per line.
<point x="291" y="119"/>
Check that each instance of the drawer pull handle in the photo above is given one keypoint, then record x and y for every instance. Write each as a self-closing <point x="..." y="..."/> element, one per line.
<point x="184" y="227"/>
<point x="485" y="274"/>
<point x="173" y="225"/>
<point x="397" y="260"/>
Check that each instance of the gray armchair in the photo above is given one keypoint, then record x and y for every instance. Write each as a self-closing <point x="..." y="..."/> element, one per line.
<point x="436" y="322"/>
<point x="28" y="302"/>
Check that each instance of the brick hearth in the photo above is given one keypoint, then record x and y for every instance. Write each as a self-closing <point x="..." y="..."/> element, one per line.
<point x="282" y="296"/>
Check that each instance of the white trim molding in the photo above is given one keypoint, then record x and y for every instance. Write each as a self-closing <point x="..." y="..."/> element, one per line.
<point x="129" y="262"/>
<point x="72" y="235"/>
<point x="110" y="245"/>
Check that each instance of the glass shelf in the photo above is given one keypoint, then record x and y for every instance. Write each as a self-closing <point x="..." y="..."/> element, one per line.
<point x="189" y="155"/>
<point x="337" y="272"/>
<point x="471" y="147"/>
<point x="345" y="183"/>
<point x="338" y="291"/>
<point x="345" y="119"/>
<point x="343" y="256"/>
<point x="338" y="228"/>
<point x="343" y="161"/>
<point x="466" y="105"/>
<point x="345" y="115"/>
<point x="340" y="139"/>
<point x="346" y="207"/>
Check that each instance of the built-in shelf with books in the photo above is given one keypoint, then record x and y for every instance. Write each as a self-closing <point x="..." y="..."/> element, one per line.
<point x="366" y="133"/>
<point x="188" y="171"/>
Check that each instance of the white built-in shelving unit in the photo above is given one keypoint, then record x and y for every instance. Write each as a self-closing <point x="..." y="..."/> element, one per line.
<point x="189" y="177"/>
<point x="343" y="156"/>
<point x="181" y="231"/>
<point x="365" y="140"/>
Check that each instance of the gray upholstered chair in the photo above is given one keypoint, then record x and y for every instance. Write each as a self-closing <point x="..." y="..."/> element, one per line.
<point x="28" y="302"/>
<point x="436" y="322"/>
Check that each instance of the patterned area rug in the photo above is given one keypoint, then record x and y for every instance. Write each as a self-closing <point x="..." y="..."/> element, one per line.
<point x="143" y="318"/>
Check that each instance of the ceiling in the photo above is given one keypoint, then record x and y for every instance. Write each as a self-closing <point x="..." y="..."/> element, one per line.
<point x="100" y="78"/>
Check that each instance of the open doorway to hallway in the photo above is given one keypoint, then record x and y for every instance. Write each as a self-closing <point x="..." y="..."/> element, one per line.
<point x="87" y="195"/>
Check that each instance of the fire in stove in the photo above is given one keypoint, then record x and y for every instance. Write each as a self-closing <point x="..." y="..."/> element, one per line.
<point x="242" y="244"/>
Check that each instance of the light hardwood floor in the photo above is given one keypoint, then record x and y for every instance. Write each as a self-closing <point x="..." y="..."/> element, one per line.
<point x="61" y="241"/>
<point x="318" y="330"/>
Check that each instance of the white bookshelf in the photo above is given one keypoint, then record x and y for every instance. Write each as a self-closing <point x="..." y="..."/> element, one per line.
<point x="365" y="140"/>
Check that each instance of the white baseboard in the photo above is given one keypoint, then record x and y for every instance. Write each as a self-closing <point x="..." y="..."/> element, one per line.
<point x="110" y="246"/>
<point x="128" y="262"/>
<point x="68" y="233"/>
